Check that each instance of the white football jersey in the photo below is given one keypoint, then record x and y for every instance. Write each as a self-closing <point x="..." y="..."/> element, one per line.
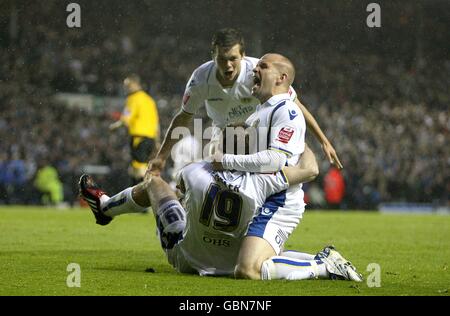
<point x="223" y="106"/>
<point x="219" y="208"/>
<point x="280" y="126"/>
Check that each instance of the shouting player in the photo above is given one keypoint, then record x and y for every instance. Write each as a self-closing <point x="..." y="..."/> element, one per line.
<point x="224" y="86"/>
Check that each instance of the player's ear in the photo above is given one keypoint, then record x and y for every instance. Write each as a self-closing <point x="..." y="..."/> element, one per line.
<point x="213" y="52"/>
<point x="284" y="78"/>
<point x="281" y="79"/>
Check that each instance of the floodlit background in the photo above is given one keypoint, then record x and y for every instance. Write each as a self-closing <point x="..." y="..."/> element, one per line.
<point x="380" y="94"/>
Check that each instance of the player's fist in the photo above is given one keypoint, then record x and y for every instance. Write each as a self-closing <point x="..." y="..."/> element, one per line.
<point x="156" y="165"/>
<point x="154" y="169"/>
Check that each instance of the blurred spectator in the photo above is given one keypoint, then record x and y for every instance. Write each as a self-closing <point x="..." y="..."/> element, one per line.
<point x="49" y="185"/>
<point x="381" y="96"/>
<point x="334" y="188"/>
<point x="314" y="196"/>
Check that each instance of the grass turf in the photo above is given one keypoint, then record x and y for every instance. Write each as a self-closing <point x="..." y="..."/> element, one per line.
<point x="37" y="244"/>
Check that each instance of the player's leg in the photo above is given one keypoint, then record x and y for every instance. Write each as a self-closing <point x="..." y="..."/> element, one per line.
<point x="253" y="252"/>
<point x="297" y="255"/>
<point x="287" y="268"/>
<point x="258" y="260"/>
<point x="261" y="255"/>
<point x="170" y="221"/>
<point x="328" y="264"/>
<point x="131" y="200"/>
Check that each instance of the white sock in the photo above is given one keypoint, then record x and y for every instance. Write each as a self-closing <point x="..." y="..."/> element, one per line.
<point x="286" y="268"/>
<point x="297" y="255"/>
<point x="121" y="203"/>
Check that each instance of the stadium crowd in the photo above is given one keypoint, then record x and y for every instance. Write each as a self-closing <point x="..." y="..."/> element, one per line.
<point x="387" y="117"/>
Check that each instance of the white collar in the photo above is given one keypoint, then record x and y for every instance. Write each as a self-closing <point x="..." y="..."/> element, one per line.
<point x="277" y="98"/>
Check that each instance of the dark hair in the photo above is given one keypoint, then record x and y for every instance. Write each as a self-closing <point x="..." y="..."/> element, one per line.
<point x="227" y="37"/>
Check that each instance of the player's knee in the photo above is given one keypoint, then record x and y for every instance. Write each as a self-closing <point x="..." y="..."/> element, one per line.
<point x="247" y="270"/>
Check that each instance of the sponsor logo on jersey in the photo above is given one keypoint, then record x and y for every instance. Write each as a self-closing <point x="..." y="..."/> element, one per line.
<point x="285" y="135"/>
<point x="219" y="242"/>
<point x="292" y="114"/>
<point x="240" y="110"/>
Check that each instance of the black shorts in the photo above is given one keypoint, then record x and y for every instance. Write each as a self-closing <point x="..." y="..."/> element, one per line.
<point x="141" y="148"/>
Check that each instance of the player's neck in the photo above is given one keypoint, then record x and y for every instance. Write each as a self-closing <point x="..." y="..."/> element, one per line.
<point x="264" y="99"/>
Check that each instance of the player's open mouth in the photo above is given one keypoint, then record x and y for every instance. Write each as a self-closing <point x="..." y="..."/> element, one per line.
<point x="256" y="82"/>
<point x="228" y="73"/>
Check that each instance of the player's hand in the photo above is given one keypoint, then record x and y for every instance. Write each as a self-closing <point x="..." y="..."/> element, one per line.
<point x="155" y="166"/>
<point x="332" y="157"/>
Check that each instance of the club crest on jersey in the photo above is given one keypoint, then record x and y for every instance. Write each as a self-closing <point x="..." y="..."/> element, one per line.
<point x="285" y="135"/>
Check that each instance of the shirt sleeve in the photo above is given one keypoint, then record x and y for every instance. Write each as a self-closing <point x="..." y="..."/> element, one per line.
<point x="129" y="111"/>
<point x="270" y="184"/>
<point x="287" y="131"/>
<point x="260" y="162"/>
<point x="193" y="97"/>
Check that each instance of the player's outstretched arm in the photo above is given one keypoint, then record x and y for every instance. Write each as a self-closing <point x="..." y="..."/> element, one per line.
<point x="181" y="119"/>
<point x="306" y="171"/>
<point x="327" y="147"/>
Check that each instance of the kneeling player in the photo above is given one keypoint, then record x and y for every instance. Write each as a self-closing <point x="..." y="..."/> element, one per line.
<point x="205" y="234"/>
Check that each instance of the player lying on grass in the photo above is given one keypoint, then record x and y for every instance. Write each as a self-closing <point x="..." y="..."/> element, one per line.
<point x="224" y="86"/>
<point x="205" y="235"/>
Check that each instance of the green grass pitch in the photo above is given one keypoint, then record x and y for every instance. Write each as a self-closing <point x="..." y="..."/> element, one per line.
<point x="37" y="244"/>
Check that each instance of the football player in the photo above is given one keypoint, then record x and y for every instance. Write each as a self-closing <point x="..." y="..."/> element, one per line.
<point x="205" y="234"/>
<point x="224" y="86"/>
<point x="254" y="217"/>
